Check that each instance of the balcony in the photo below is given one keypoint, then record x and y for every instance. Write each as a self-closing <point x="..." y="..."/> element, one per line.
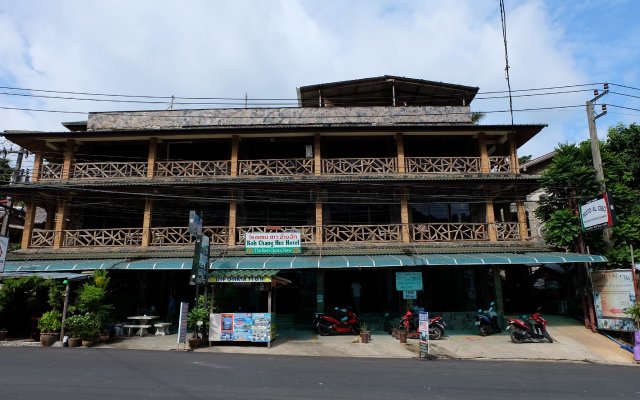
<point x="274" y="167"/>
<point x="331" y="234"/>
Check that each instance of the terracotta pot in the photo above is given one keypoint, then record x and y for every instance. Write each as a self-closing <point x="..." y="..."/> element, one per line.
<point x="365" y="336"/>
<point x="194" y="343"/>
<point x="74" y="342"/>
<point x="48" y="339"/>
<point x="3" y="335"/>
<point x="104" y="338"/>
<point x="403" y="337"/>
<point x="87" y="343"/>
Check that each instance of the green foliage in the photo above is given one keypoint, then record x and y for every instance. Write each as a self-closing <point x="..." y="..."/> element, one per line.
<point x="82" y="326"/>
<point x="30" y="290"/>
<point x="91" y="298"/>
<point x="634" y="313"/>
<point x="562" y="228"/>
<point x="50" y="321"/>
<point x="476" y="117"/>
<point x="196" y="314"/>
<point x="5" y="171"/>
<point x="524" y="159"/>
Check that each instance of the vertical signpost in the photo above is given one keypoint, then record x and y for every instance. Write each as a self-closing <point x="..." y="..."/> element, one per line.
<point x="423" y="328"/>
<point x="182" y="323"/>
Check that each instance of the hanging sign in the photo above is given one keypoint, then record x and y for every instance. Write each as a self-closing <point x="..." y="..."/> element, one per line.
<point x="200" y="266"/>
<point x="598" y="213"/>
<point x="408" y="280"/>
<point x="409" y="294"/>
<point x="273" y="243"/>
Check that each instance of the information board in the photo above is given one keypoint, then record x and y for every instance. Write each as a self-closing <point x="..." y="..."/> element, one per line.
<point x="423" y="328"/>
<point x="408" y="280"/>
<point x="273" y="243"/>
<point x="182" y="323"/>
<point x="612" y="294"/>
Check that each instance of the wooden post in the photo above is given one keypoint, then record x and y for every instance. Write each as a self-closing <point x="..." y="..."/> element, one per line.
<point x="29" y="219"/>
<point x="235" y="141"/>
<point x="404" y="216"/>
<point x="151" y="160"/>
<point x="61" y="222"/>
<point x="513" y="153"/>
<point x="232" y="221"/>
<point x="320" y="291"/>
<point x="319" y="222"/>
<point x="146" y="222"/>
<point x="491" y="221"/>
<point x="485" y="166"/>
<point x="317" y="155"/>
<point x="522" y="220"/>
<point x="69" y="153"/>
<point x="400" y="146"/>
<point x="37" y="165"/>
<point x="497" y="285"/>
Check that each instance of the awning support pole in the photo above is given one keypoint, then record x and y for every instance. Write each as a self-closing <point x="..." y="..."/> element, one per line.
<point x="497" y="285"/>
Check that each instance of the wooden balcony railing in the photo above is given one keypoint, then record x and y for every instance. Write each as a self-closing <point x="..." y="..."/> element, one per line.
<point x="51" y="171"/>
<point x="291" y="166"/>
<point x="102" y="237"/>
<point x="507" y="231"/>
<point x="445" y="232"/>
<point x="173" y="236"/>
<point x="307" y="233"/>
<point x="109" y="170"/>
<point x="353" y="166"/>
<point x="500" y="164"/>
<point x="441" y="165"/>
<point x="192" y="168"/>
<point x="361" y="233"/>
<point x="42" y="238"/>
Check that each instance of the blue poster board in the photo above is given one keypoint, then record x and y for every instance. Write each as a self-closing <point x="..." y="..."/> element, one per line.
<point x="182" y="323"/>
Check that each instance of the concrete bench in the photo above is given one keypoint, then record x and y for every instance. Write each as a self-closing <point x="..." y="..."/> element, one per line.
<point x="142" y="329"/>
<point x="162" y="328"/>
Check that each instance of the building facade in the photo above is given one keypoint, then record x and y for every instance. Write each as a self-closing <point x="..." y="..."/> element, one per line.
<point x="378" y="175"/>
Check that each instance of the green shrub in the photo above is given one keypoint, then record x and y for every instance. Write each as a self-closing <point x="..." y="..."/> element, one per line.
<point x="50" y="321"/>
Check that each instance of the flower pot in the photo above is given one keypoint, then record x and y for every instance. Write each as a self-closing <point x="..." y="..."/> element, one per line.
<point x="194" y="343"/>
<point x="87" y="343"/>
<point x="3" y="335"/>
<point x="365" y="336"/>
<point x="403" y="337"/>
<point x="74" y="342"/>
<point x="104" y="338"/>
<point x="48" y="339"/>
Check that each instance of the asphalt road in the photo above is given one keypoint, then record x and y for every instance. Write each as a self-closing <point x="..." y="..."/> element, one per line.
<point x="61" y="373"/>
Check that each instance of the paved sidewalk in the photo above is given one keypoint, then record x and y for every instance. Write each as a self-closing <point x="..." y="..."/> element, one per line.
<point x="572" y="343"/>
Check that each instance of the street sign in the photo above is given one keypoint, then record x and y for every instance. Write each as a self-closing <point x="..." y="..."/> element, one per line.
<point x="409" y="294"/>
<point x="195" y="223"/>
<point x="200" y="266"/>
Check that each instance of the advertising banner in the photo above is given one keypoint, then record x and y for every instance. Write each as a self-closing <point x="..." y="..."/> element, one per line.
<point x="408" y="280"/>
<point x="273" y="243"/>
<point x="241" y="327"/>
<point x="182" y="323"/>
<point x="200" y="266"/>
<point x="612" y="294"/>
<point x="423" y="328"/>
<point x="598" y="213"/>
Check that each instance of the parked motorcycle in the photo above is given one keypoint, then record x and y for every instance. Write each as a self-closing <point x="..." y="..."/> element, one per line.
<point x="410" y="322"/>
<point x="487" y="321"/>
<point x="339" y="321"/>
<point x="533" y="328"/>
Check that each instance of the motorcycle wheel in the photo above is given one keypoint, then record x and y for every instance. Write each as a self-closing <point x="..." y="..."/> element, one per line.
<point x="548" y="337"/>
<point x="517" y="336"/>
<point x="485" y="330"/>
<point x="323" y="330"/>
<point x="436" y="334"/>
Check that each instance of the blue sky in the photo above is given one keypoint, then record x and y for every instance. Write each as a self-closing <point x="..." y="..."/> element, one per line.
<point x="265" y="49"/>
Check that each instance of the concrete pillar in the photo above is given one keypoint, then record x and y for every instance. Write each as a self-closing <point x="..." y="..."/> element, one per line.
<point x="37" y="165"/>
<point x="485" y="165"/>
<point x="320" y="300"/>
<point x="400" y="147"/>
<point x="319" y="221"/>
<point x="404" y="216"/>
<point x="317" y="155"/>
<point x="497" y="285"/>
<point x="235" y="143"/>
<point x="151" y="160"/>
<point x="69" y="154"/>
<point x="491" y="221"/>
<point x="61" y="222"/>
<point x="522" y="220"/>
<point x="513" y="153"/>
<point x="232" y="221"/>
<point x="29" y="220"/>
<point x="146" y="222"/>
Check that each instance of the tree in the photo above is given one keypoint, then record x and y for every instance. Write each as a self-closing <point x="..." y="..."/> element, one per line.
<point x="570" y="181"/>
<point x="5" y="171"/>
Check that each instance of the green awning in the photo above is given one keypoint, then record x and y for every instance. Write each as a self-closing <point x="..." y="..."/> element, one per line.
<point x="309" y="262"/>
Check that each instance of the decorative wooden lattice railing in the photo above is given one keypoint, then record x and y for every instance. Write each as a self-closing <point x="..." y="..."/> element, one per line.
<point x="172" y="236"/>
<point x="102" y="237"/>
<point x="441" y="165"/>
<point x="351" y="166"/>
<point x="508" y="231"/>
<point x="192" y="168"/>
<point x="500" y="164"/>
<point x="109" y="170"/>
<point x="42" y="238"/>
<point x="447" y="232"/>
<point x="361" y="233"/>
<point x="307" y="233"/>
<point x="50" y="171"/>
<point x="290" y="166"/>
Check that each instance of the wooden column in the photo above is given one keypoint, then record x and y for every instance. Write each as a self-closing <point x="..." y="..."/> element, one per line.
<point x="319" y="222"/>
<point x="404" y="216"/>
<point x="522" y="220"/>
<point x="61" y="222"/>
<point x="513" y="153"/>
<point x="491" y="221"/>
<point x="485" y="166"/>
<point x="317" y="155"/>
<point x="146" y="222"/>
<point x="400" y="146"/>
<point x="320" y="291"/>
<point x="37" y="165"/>
<point x="151" y="160"/>
<point x="232" y="221"/>
<point x="69" y="153"/>
<point x="29" y="219"/>
<point x="235" y="142"/>
<point x="497" y="285"/>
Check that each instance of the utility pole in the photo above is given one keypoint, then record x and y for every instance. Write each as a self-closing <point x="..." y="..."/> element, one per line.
<point x="595" y="149"/>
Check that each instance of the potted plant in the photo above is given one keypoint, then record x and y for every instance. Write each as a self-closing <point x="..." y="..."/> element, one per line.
<point x="73" y="326"/>
<point x="365" y="333"/>
<point x="49" y="326"/>
<point x="634" y="313"/>
<point x="402" y="334"/>
<point x="198" y="318"/>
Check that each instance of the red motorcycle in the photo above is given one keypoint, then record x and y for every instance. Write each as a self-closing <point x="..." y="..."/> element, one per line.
<point x="409" y="322"/>
<point x="339" y="321"/>
<point x="534" y="328"/>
